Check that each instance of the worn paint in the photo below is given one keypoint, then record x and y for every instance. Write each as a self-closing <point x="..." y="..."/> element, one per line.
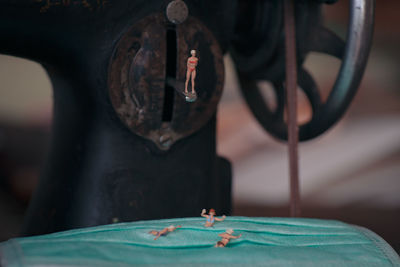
<point x="87" y="4"/>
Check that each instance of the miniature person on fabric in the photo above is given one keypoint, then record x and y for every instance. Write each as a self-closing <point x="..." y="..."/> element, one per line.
<point x="164" y="231"/>
<point x="191" y="74"/>
<point x="226" y="237"/>
<point x="210" y="217"/>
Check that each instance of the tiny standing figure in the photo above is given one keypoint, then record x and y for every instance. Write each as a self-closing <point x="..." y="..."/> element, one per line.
<point x="226" y="237"/>
<point x="191" y="74"/>
<point x="210" y="217"/>
<point x="164" y="231"/>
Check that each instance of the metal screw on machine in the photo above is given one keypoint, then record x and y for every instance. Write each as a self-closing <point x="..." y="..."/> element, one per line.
<point x="166" y="140"/>
<point x="177" y="11"/>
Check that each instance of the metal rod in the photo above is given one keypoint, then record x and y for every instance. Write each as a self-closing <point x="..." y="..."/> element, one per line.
<point x="291" y="87"/>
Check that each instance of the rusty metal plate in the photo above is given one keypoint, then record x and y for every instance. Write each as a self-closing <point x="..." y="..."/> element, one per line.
<point x="137" y="78"/>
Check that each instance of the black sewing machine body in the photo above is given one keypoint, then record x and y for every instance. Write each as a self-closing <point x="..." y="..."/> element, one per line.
<point x="126" y="146"/>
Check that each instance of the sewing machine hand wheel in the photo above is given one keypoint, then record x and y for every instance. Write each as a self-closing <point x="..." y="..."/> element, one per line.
<point x="353" y="53"/>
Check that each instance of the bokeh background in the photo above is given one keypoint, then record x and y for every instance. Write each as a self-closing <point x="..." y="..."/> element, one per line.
<point x="350" y="173"/>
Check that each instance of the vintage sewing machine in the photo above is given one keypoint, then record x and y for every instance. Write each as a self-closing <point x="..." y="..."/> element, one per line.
<point x="126" y="145"/>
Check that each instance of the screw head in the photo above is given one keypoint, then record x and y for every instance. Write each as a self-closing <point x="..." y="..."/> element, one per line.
<point x="177" y="11"/>
<point x="165" y="141"/>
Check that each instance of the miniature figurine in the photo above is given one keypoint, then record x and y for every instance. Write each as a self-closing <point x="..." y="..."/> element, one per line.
<point x="210" y="217"/>
<point x="191" y="73"/>
<point x="164" y="231"/>
<point x="226" y="237"/>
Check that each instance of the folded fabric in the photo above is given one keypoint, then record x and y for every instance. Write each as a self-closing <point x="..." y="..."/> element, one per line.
<point x="264" y="242"/>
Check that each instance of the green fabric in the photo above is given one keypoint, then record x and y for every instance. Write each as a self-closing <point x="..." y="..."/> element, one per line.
<point x="264" y="242"/>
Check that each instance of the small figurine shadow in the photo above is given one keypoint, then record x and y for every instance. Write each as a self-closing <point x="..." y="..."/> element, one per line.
<point x="179" y="87"/>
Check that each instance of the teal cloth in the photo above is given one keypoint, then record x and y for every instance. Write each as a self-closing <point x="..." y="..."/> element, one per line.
<point x="264" y="242"/>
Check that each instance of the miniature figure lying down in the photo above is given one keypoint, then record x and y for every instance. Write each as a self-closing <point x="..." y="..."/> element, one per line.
<point x="164" y="231"/>
<point x="226" y="237"/>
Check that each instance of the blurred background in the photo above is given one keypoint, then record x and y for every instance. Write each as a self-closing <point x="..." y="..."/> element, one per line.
<point x="350" y="173"/>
